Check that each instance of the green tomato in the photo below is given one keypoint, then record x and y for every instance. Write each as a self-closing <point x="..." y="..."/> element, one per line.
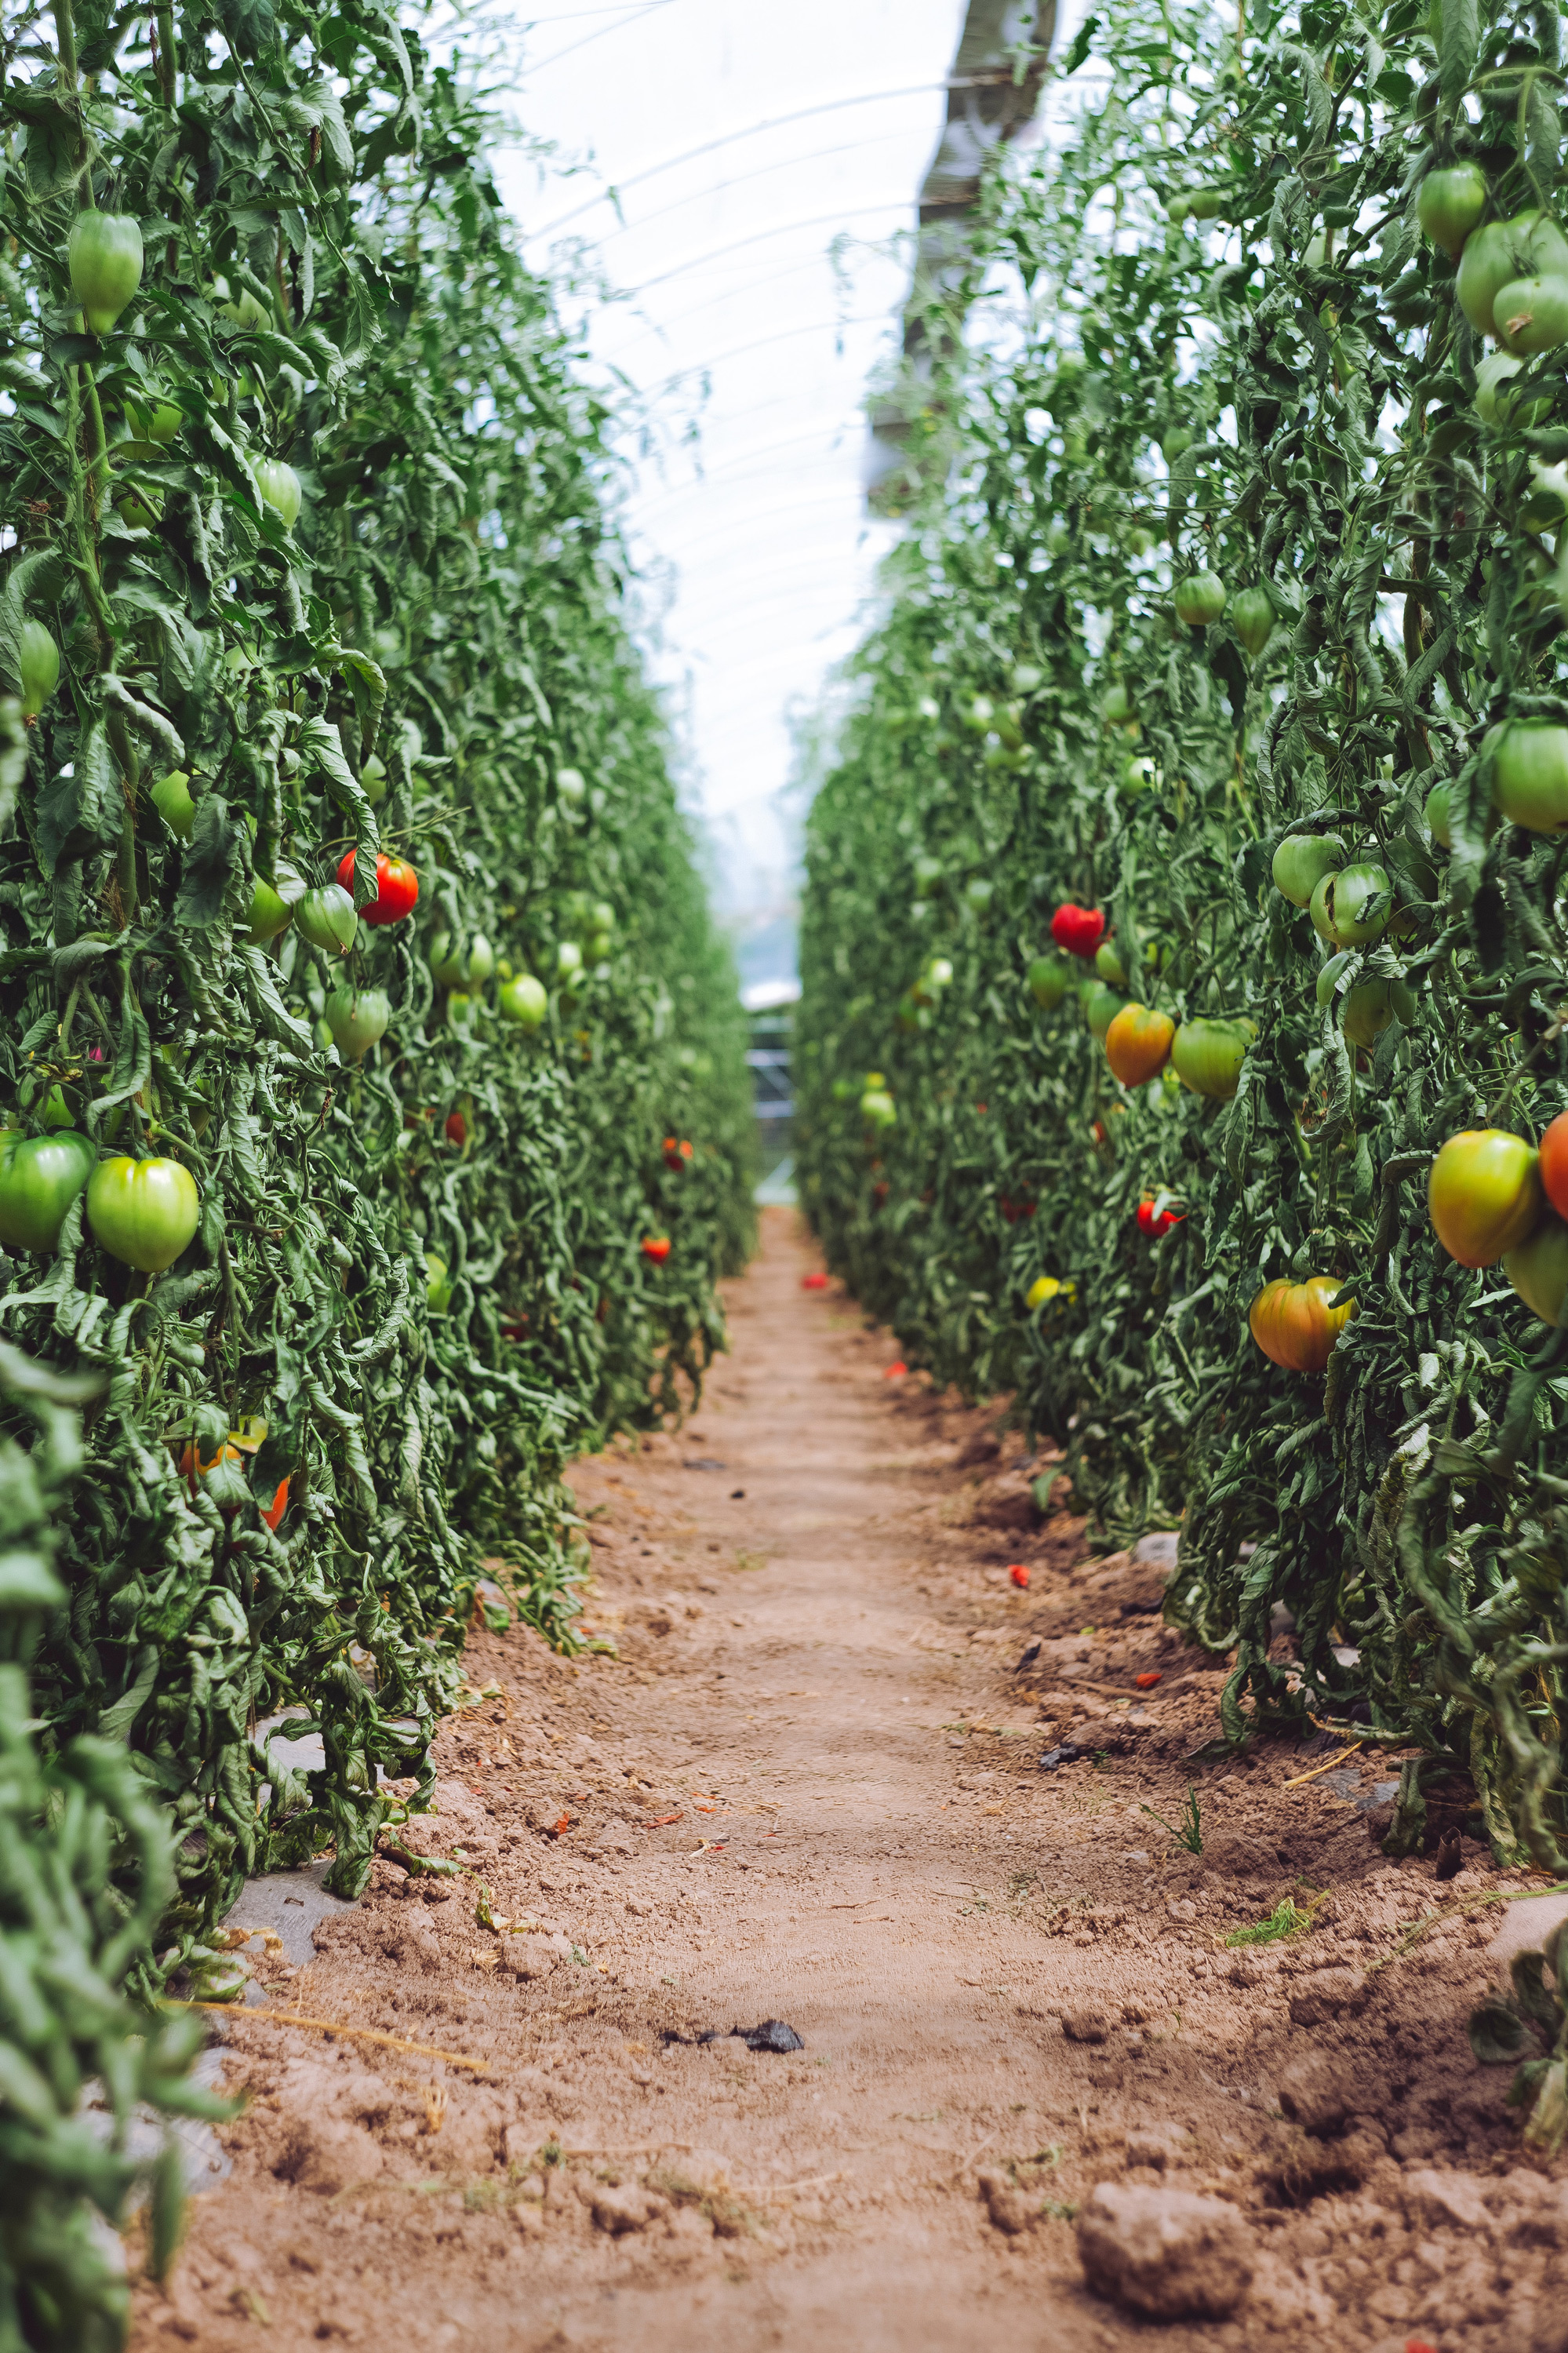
<point x="145" y="1212"/>
<point x="569" y="960"/>
<point x="1530" y="245"/>
<point x="1537" y="1270"/>
<point x="437" y="1283"/>
<point x="1138" y="776"/>
<point x="1109" y="965"/>
<point x="928" y="873"/>
<point x="1338" y="906"/>
<point x="1252" y="618"/>
<point x="279" y="487"/>
<point x="1437" y="816"/>
<point x="1101" y="1009"/>
<point x="1207" y="1056"/>
<point x="157" y="421"/>
<point x="1048" y="983"/>
<point x="1368" y="1010"/>
<point x="175" y="803"/>
<point x="1200" y="600"/>
<point x="1301" y="861"/>
<point x="327" y="919"/>
<point x="1450" y="205"/>
<point x="1175" y="441"/>
<point x="454" y="971"/>
<point x="245" y="313"/>
<point x="1116" y="707"/>
<point x="1531" y="315"/>
<point x="103" y="253"/>
<point x="38" y="664"/>
<point x="357" y="1018"/>
<point x="268" y="914"/>
<point x="878" y="1107"/>
<point x="525" y="1001"/>
<point x="1529" y="774"/>
<point x="1206" y="204"/>
<point x="978" y="893"/>
<point x="39" y="1179"/>
<point x="374" y="778"/>
<point x="571" y="785"/>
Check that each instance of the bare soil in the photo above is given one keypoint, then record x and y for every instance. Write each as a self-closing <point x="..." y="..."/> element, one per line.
<point x="807" y="1789"/>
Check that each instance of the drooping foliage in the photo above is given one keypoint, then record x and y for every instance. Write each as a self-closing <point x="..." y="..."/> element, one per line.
<point x="308" y="562"/>
<point x="1218" y="541"/>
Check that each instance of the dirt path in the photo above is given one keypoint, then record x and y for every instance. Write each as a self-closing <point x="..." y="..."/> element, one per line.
<point x="808" y="1790"/>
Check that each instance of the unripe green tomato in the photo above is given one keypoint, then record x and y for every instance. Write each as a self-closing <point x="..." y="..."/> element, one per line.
<point x="144" y="1212"/>
<point x="928" y="873"/>
<point x="1101" y="1010"/>
<point x="1176" y="209"/>
<point x="1545" y="503"/>
<point x="569" y="960"/>
<point x="245" y="313"/>
<point x="280" y="486"/>
<point x="103" y="253"/>
<point x="1109" y="965"/>
<point x="1437" y="816"/>
<point x="1338" y="906"/>
<point x="1328" y="978"/>
<point x="1301" y="861"/>
<point x="1368" y="1010"/>
<point x="357" y="1018"/>
<point x="603" y="915"/>
<point x="437" y="1283"/>
<point x="136" y="513"/>
<point x="1450" y="206"/>
<point x="459" y="1008"/>
<point x="981" y="712"/>
<point x="327" y="919"/>
<point x="157" y="421"/>
<point x="523" y="1001"/>
<point x="877" y="1106"/>
<point x="1529" y="774"/>
<point x="938" y="973"/>
<point x="1538" y="1268"/>
<point x="1027" y="678"/>
<point x="1175" y="441"/>
<point x="1048" y="983"/>
<point x="373" y="780"/>
<point x="1531" y="244"/>
<point x="268" y="914"/>
<point x="600" y="947"/>
<point x="1207" y="1056"/>
<point x="1200" y="600"/>
<point x="1138" y="776"/>
<point x="1206" y="204"/>
<point x="1531" y="315"/>
<point x="1252" y="618"/>
<point x="39" y="1179"/>
<point x="1116" y="706"/>
<point x="571" y="785"/>
<point x="978" y="893"/>
<point x="38" y="664"/>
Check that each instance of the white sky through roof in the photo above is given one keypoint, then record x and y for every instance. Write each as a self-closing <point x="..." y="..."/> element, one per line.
<point x="725" y="260"/>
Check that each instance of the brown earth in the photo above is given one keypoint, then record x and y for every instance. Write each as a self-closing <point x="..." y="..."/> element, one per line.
<point x="808" y="1790"/>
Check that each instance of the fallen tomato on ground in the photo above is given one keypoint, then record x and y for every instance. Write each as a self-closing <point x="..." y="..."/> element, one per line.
<point x="1019" y="1575"/>
<point x="814" y="1282"/>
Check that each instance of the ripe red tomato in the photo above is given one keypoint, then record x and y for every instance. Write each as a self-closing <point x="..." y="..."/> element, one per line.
<point x="1148" y="1682"/>
<point x="1484" y="1194"/>
<point x="1554" y="1163"/>
<point x="1078" y="929"/>
<point x="814" y="1282"/>
<point x="1293" y="1323"/>
<point x="1155" y="1221"/>
<point x="456" y="1128"/>
<point x="397" y="887"/>
<point x="1019" y="1575"/>
<point x="656" y="1247"/>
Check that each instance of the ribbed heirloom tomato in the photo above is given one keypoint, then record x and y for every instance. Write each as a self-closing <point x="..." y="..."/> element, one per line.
<point x="1301" y="861"/>
<point x="1294" y="1325"/>
<point x="357" y="1019"/>
<point x="1078" y="929"/>
<point x="1484" y="1194"/>
<point x="143" y="1211"/>
<point x="397" y="887"/>
<point x="327" y="919"/>
<point x="1138" y="1044"/>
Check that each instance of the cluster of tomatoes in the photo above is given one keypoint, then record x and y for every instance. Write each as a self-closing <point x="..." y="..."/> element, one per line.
<point x="1492" y="1196"/>
<point x="677" y="1153"/>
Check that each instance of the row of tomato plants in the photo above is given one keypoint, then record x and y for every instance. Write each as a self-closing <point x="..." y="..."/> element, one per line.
<point x="374" y="1112"/>
<point x="1180" y="1043"/>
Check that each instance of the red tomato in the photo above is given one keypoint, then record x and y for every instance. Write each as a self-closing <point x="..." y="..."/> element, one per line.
<point x="895" y="1372"/>
<point x="1080" y="930"/>
<point x="397" y="887"/>
<point x="814" y="1282"/>
<point x="1554" y="1163"/>
<point x="656" y="1247"/>
<point x="456" y="1128"/>
<point x="1146" y="1215"/>
<point x="1147" y="1682"/>
<point x="1019" y="1575"/>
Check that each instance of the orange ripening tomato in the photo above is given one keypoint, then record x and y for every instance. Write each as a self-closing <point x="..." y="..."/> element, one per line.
<point x="1293" y="1323"/>
<point x="1484" y="1194"/>
<point x="1138" y="1044"/>
<point x="1554" y="1163"/>
<point x="241" y="1445"/>
<point x="656" y="1247"/>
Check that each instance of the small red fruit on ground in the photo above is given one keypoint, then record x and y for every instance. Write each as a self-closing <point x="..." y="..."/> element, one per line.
<point x="895" y="1372"/>
<point x="814" y="1282"/>
<point x="1019" y="1574"/>
<point x="1147" y="1682"/>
